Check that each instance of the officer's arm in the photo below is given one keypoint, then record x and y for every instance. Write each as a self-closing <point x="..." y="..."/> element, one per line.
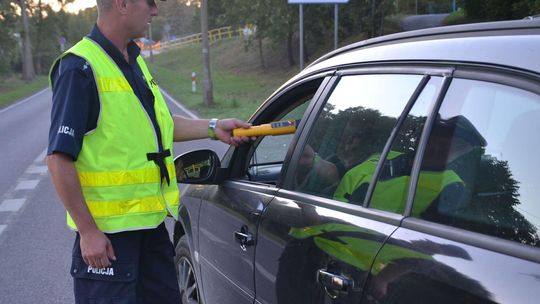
<point x="96" y="248"/>
<point x="189" y="129"/>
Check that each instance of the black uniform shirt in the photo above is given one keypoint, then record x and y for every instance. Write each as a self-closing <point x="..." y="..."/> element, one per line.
<point x="75" y="108"/>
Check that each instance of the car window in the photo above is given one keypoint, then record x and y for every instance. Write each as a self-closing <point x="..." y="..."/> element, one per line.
<point x="390" y="192"/>
<point x="481" y="163"/>
<point x="267" y="154"/>
<point x="350" y="132"/>
<point x="267" y="159"/>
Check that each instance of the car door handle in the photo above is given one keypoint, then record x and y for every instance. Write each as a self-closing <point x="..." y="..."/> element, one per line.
<point x="334" y="282"/>
<point x="244" y="238"/>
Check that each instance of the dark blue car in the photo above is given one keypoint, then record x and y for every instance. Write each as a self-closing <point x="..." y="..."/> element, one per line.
<point x="412" y="177"/>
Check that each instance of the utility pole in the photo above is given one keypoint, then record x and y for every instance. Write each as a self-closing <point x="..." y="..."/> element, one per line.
<point x="28" y="64"/>
<point x="208" y="96"/>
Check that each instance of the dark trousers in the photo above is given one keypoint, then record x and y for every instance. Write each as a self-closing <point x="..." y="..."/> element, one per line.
<point x="144" y="271"/>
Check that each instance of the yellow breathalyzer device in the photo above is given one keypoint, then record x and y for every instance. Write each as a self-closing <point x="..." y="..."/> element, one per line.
<point x="273" y="128"/>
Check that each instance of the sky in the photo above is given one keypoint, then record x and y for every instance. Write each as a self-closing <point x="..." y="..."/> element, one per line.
<point x="75" y="6"/>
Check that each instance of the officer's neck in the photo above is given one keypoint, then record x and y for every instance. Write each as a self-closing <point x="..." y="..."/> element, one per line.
<point x="116" y="35"/>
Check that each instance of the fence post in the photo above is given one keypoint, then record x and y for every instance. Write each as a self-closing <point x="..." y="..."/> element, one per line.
<point x="193" y="82"/>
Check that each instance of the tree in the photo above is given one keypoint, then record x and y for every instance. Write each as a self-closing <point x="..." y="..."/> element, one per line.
<point x="367" y="16"/>
<point x="29" y="33"/>
<point x="241" y="13"/>
<point x="485" y="10"/>
<point x="493" y="210"/>
<point x="9" y="38"/>
<point x="28" y="63"/>
<point x="208" y="95"/>
<point x="45" y="24"/>
<point x="78" y="25"/>
<point x="180" y="17"/>
<point x="275" y="21"/>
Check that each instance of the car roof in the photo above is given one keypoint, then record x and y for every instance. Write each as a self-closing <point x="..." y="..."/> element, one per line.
<point x="514" y="44"/>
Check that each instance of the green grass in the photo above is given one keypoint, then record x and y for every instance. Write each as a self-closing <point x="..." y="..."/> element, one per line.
<point x="457" y="17"/>
<point x="13" y="88"/>
<point x="240" y="84"/>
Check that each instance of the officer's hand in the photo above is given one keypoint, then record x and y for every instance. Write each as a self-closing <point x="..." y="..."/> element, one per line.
<point x="96" y="249"/>
<point x="224" y="130"/>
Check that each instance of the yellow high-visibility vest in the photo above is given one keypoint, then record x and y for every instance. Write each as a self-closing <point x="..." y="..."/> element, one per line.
<point x="354" y="245"/>
<point x="122" y="188"/>
<point x="391" y="194"/>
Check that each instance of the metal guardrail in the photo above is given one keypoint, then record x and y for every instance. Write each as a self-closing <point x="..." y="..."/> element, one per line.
<point x="225" y="32"/>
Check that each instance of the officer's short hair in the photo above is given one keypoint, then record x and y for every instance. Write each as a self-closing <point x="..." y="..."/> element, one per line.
<point x="104" y="5"/>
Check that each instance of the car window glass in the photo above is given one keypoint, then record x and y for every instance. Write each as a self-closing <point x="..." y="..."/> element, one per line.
<point x="390" y="192"/>
<point x="268" y="156"/>
<point x="481" y="163"/>
<point x="350" y="131"/>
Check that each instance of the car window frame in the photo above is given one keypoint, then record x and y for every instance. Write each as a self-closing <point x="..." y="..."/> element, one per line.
<point x="393" y="134"/>
<point x="237" y="159"/>
<point x="424" y="70"/>
<point x="303" y="135"/>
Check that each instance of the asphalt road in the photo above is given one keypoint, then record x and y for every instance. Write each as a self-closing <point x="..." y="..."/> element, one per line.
<point x="35" y="243"/>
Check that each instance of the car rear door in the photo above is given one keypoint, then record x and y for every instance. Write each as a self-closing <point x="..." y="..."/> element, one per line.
<point x="478" y="241"/>
<point x="313" y="245"/>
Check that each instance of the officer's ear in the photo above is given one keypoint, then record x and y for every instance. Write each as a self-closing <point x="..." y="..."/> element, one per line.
<point x="121" y="6"/>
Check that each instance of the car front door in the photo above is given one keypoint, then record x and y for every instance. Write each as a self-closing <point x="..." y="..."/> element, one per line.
<point x="316" y="242"/>
<point x="230" y="212"/>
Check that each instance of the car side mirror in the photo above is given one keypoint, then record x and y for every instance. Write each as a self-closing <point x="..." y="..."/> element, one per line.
<point x="197" y="167"/>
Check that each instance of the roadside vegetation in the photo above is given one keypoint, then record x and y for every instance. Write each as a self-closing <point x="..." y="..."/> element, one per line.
<point x="457" y="17"/>
<point x="240" y="84"/>
<point x="244" y="71"/>
<point x="14" y="88"/>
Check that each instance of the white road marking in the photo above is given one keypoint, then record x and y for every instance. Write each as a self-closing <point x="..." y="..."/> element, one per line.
<point x="27" y="184"/>
<point x="26" y="181"/>
<point x="37" y="169"/>
<point x="41" y="156"/>
<point x="12" y="204"/>
<point x="180" y="106"/>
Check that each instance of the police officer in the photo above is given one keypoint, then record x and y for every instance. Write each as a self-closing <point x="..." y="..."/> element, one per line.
<point x="110" y="159"/>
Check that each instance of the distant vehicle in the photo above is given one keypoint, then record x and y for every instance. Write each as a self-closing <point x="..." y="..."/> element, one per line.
<point x="412" y="177"/>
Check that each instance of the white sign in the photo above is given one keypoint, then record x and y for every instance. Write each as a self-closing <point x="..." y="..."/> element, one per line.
<point x="317" y="1"/>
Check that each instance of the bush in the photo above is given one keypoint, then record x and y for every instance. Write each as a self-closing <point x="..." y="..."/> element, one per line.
<point x="457" y="17"/>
